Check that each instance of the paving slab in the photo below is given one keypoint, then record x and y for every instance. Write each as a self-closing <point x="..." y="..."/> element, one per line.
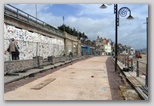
<point x="42" y="84"/>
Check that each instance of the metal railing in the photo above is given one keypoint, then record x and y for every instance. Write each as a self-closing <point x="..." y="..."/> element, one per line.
<point x="19" y="14"/>
<point x="131" y="63"/>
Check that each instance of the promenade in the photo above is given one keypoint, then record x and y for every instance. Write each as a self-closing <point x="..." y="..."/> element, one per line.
<point x="89" y="79"/>
<point x="83" y="80"/>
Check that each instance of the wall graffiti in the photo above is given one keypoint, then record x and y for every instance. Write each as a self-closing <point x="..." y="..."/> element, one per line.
<point x="32" y="44"/>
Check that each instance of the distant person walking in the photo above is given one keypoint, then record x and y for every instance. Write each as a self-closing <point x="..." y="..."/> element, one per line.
<point x="13" y="49"/>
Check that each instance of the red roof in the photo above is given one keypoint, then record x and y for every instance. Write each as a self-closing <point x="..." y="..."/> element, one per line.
<point x="107" y="41"/>
<point x="104" y="40"/>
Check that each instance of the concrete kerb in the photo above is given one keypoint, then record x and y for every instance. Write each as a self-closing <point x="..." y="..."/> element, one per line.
<point x="16" y="78"/>
<point x="28" y="73"/>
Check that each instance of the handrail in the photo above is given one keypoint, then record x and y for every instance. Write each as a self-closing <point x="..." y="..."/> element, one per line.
<point x="28" y="16"/>
<point x="135" y="59"/>
<point x="127" y="62"/>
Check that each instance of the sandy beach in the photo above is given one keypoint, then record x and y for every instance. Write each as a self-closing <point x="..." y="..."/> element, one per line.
<point x="142" y="64"/>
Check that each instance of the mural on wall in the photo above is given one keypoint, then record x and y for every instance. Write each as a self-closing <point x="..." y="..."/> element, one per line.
<point x="32" y="44"/>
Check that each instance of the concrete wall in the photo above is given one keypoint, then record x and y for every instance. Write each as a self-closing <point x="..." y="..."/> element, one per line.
<point x="32" y="44"/>
<point x="72" y="45"/>
<point x="25" y="29"/>
<point x="69" y="46"/>
<point x="19" y="65"/>
<point x="22" y="65"/>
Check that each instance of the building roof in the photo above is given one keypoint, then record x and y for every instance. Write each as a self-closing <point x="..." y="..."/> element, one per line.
<point x="105" y="41"/>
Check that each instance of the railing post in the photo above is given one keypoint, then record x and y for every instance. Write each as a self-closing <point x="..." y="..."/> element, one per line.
<point x="122" y="60"/>
<point x="37" y="54"/>
<point x="137" y="71"/>
<point x="36" y="21"/>
<point x="17" y="13"/>
<point x="28" y="18"/>
<point x="146" y="79"/>
<point x="125" y="60"/>
<point x="43" y="24"/>
<point x="132" y="65"/>
<point x="128" y="63"/>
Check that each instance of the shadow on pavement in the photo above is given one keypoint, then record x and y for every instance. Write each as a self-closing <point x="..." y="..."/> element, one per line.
<point x="114" y="80"/>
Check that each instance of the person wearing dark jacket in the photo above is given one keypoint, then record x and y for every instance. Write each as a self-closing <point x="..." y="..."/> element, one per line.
<point x="13" y="49"/>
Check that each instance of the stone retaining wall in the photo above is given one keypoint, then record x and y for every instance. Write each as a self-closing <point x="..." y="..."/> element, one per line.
<point x="19" y="65"/>
<point x="54" y="60"/>
<point x="22" y="65"/>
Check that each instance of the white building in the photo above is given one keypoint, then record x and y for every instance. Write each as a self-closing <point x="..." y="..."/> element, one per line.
<point x="105" y="46"/>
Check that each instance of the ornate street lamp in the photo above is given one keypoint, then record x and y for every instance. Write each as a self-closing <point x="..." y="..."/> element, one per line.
<point x="122" y="12"/>
<point x="147" y="54"/>
<point x="103" y="6"/>
<point x="146" y="78"/>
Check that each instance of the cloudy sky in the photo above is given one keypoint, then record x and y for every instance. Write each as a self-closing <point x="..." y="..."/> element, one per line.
<point x="94" y="21"/>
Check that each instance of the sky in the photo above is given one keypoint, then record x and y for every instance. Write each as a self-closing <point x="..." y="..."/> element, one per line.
<point x="94" y="21"/>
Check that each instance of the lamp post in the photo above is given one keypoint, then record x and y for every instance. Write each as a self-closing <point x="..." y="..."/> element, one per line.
<point x="146" y="81"/>
<point x="122" y="12"/>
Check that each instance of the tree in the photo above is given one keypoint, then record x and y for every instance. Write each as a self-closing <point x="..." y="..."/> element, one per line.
<point x="73" y="31"/>
<point x="61" y="27"/>
<point x="86" y="37"/>
<point x="80" y="35"/>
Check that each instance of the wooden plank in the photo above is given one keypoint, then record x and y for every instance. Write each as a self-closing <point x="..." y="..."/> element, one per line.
<point x="42" y="84"/>
<point x="141" y="93"/>
<point x="134" y="81"/>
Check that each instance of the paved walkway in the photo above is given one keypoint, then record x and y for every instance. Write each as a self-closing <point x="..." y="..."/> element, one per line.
<point x="84" y="80"/>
